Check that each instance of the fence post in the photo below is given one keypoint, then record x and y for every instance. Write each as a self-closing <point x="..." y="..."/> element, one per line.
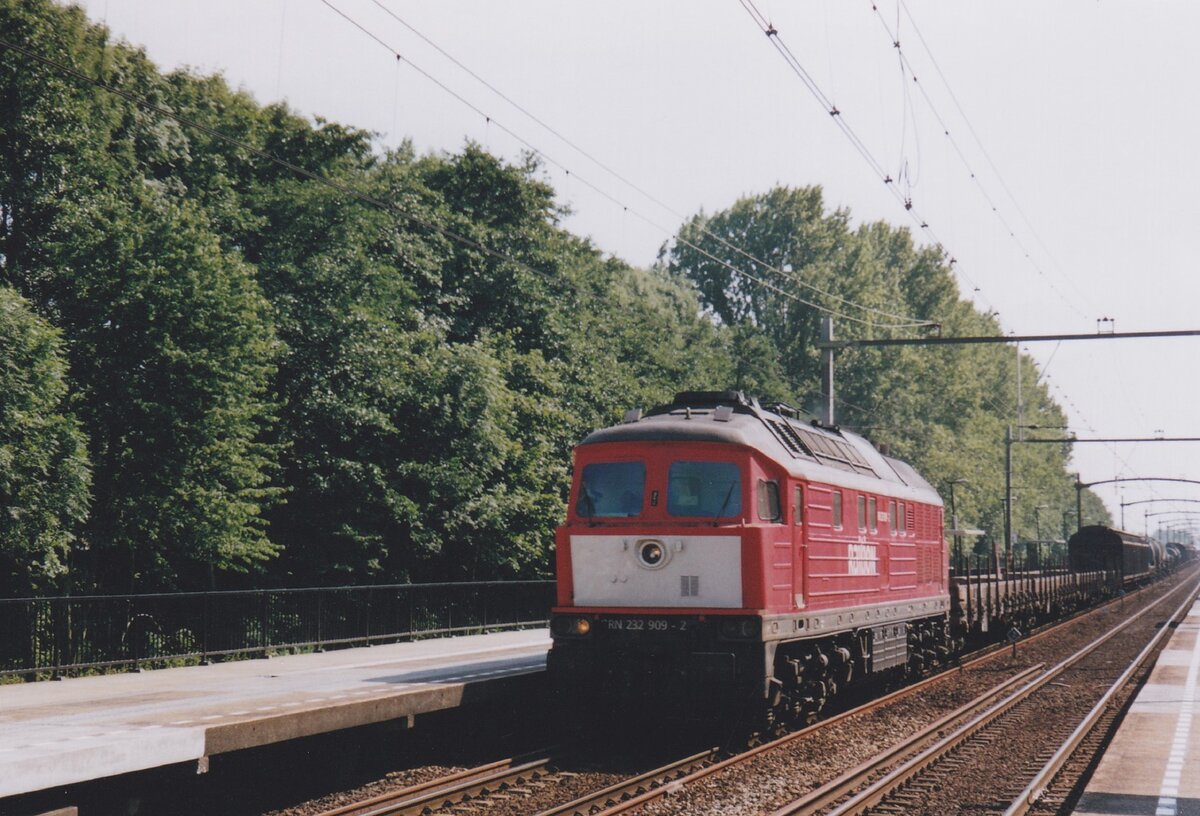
<point x="130" y="628"/>
<point x="320" y="609"/>
<point x="56" y="627"/>
<point x="263" y="623"/>
<point x="204" y="623"/>
<point x="369" y="591"/>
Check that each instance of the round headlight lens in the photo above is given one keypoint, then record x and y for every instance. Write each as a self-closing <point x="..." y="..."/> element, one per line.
<point x="652" y="553"/>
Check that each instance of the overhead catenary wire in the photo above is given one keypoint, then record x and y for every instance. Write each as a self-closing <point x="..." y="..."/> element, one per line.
<point x="617" y="175"/>
<point x="633" y="186"/>
<point x="904" y="321"/>
<point x="1090" y="428"/>
<point x="983" y="150"/>
<point x="856" y="142"/>
<point x="906" y="65"/>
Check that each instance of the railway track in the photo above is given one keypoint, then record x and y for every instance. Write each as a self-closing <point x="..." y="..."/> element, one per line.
<point x="499" y="782"/>
<point x="618" y="794"/>
<point x="453" y="789"/>
<point x="1061" y="774"/>
<point x="903" y="772"/>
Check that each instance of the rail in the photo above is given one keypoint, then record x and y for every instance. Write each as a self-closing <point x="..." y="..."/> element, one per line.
<point x="53" y="636"/>
<point x="456" y="789"/>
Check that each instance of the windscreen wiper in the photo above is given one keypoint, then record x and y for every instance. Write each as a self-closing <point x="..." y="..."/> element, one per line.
<point x="724" y="504"/>
<point x="591" y="504"/>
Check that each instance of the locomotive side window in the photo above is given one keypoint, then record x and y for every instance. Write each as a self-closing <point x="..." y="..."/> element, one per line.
<point x="769" y="506"/>
<point x="892" y="517"/>
<point x="862" y="512"/>
<point x="903" y="519"/>
<point x="872" y="514"/>
<point x="837" y="509"/>
<point x="798" y="506"/>
<point x="611" y="490"/>
<point x="706" y="489"/>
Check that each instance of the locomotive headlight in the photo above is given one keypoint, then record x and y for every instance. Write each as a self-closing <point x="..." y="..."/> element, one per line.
<point x="571" y="626"/>
<point x="652" y="553"/>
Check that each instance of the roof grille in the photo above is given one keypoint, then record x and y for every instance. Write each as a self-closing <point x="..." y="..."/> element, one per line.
<point x="834" y="451"/>
<point x="791" y="440"/>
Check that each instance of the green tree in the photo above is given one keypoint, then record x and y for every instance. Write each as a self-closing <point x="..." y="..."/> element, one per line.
<point x="43" y="459"/>
<point x="169" y="340"/>
<point x="172" y="350"/>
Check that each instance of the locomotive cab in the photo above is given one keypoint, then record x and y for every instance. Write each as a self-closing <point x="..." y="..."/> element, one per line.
<point x="663" y="547"/>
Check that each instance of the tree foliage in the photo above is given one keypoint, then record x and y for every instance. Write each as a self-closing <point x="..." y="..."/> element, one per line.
<point x="169" y="338"/>
<point x="43" y="461"/>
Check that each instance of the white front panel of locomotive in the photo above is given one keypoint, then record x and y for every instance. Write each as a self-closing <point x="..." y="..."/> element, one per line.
<point x="693" y="571"/>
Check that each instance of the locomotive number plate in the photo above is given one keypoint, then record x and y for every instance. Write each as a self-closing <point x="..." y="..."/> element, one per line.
<point x="646" y="624"/>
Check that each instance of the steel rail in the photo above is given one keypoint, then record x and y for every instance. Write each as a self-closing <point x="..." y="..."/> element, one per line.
<point x="1029" y="797"/>
<point x="429" y="796"/>
<point x="835" y="789"/>
<point x="423" y="797"/>
<point x="614" y="794"/>
<point x="420" y="788"/>
<point x="886" y="785"/>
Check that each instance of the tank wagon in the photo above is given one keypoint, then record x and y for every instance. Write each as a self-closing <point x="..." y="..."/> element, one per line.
<point x="1177" y="554"/>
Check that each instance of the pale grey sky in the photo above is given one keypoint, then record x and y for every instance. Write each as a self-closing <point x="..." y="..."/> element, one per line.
<point x="1089" y="109"/>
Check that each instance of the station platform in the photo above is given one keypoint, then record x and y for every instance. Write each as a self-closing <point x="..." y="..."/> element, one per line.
<point x="1152" y="767"/>
<point x="57" y="733"/>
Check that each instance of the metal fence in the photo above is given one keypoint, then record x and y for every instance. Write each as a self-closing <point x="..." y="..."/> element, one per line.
<point x="52" y="636"/>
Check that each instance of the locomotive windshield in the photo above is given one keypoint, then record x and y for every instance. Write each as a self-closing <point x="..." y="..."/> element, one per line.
<point x="705" y="489"/>
<point x="611" y="490"/>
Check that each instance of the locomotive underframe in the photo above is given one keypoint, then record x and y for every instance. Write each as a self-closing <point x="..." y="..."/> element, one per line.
<point x="689" y="665"/>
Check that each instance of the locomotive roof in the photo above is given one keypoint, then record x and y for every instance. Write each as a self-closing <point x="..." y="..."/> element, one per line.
<point x="807" y="449"/>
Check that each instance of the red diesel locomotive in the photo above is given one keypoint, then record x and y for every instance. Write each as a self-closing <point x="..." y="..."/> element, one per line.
<point x="717" y="554"/>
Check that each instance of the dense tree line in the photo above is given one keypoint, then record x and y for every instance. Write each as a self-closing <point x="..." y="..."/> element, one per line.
<point x="218" y="372"/>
